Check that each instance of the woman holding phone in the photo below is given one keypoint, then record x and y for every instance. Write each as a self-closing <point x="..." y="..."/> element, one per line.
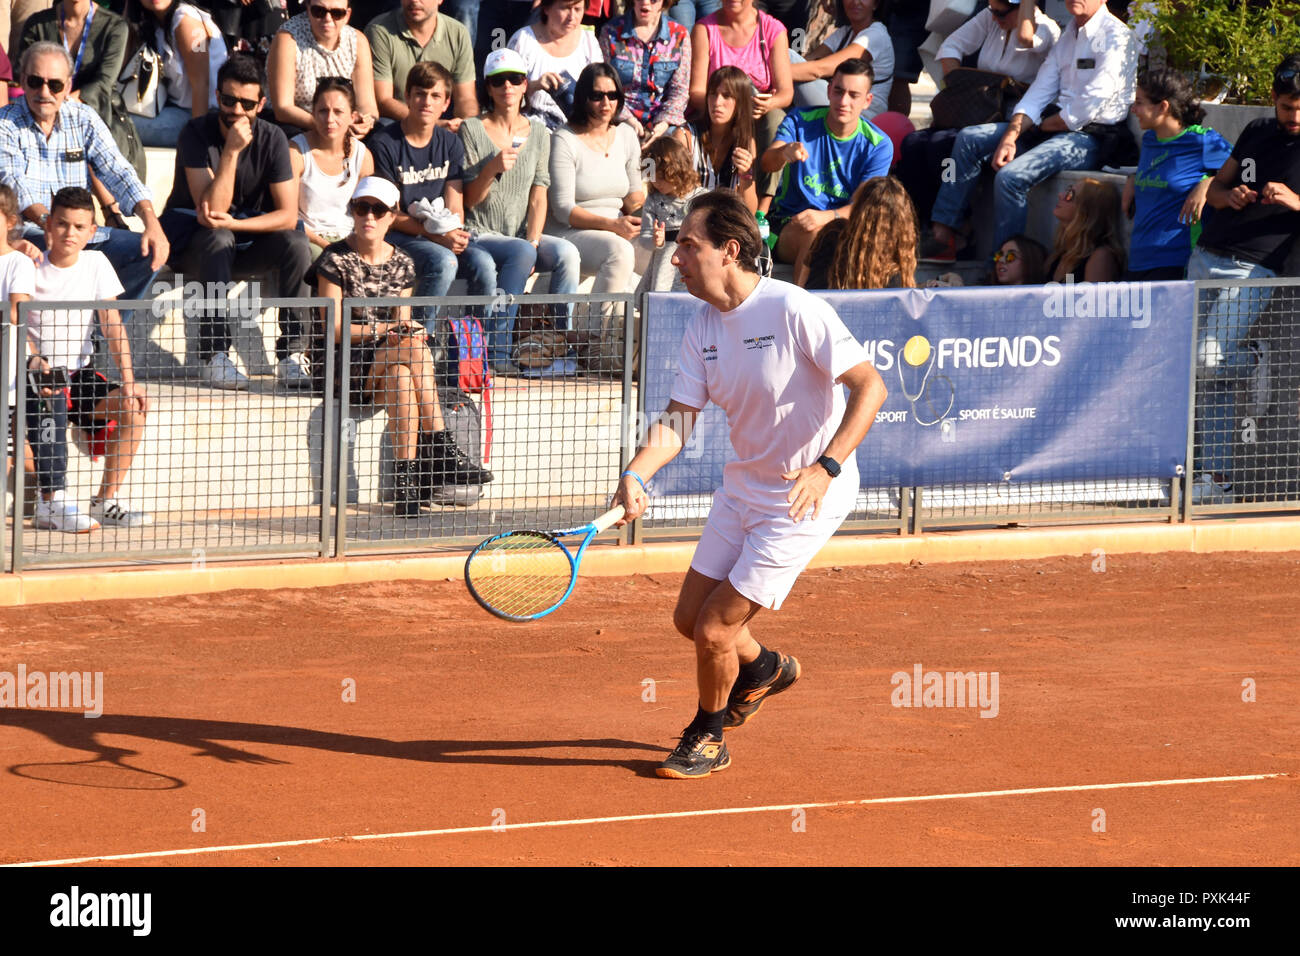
<point x="390" y="361"/>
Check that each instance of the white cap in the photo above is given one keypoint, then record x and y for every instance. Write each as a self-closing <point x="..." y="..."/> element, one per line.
<point x="376" y="187"/>
<point x="504" y="60"/>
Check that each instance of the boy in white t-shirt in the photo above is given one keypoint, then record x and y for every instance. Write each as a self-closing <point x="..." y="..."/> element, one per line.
<point x="63" y="388"/>
<point x="773" y="357"/>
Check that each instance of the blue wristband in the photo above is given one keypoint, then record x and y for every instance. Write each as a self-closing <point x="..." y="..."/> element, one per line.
<point x="638" y="481"/>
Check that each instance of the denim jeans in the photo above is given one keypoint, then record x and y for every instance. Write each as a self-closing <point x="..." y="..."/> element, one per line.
<point x="48" y="419"/>
<point x="1222" y="359"/>
<point x="507" y="263"/>
<point x="436" y="267"/>
<point x="1011" y="184"/>
<point x="164" y="130"/>
<point x="466" y="12"/>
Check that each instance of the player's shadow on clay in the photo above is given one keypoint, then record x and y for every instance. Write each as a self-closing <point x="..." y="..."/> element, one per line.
<point x="107" y="764"/>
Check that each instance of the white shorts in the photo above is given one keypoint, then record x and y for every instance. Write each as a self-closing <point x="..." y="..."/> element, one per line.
<point x="761" y="554"/>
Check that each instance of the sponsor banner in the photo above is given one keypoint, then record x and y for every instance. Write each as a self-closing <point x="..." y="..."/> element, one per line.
<point x="1062" y="382"/>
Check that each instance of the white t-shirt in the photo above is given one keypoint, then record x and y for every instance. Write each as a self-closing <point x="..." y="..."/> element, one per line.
<point x="539" y="62"/>
<point x="875" y="40"/>
<point x="17" y="276"/>
<point x="770" y="364"/>
<point x="63" y="336"/>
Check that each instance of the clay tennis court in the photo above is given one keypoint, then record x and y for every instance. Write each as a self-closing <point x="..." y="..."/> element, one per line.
<point x="227" y="709"/>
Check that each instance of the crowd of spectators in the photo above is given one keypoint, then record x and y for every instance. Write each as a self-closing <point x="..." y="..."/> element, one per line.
<point x="566" y="137"/>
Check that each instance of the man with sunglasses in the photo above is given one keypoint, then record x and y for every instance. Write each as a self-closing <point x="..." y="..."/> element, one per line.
<point x="1073" y="116"/>
<point x="418" y="33"/>
<point x="48" y="142"/>
<point x="234" y="207"/>
<point x="1255" y="198"/>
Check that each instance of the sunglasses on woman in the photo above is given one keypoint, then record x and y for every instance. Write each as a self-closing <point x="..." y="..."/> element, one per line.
<point x="320" y="12"/>
<point x="1008" y="257"/>
<point x="228" y="101"/>
<point x="501" y="79"/>
<point x="610" y="95"/>
<point x="36" y="82"/>
<point x="362" y="208"/>
<point x="1068" y="195"/>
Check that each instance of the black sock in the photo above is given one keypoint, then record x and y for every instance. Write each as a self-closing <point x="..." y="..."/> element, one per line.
<point x="761" y="668"/>
<point x="710" y="723"/>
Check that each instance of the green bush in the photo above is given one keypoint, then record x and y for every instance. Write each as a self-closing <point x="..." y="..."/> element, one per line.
<point x="1230" y="43"/>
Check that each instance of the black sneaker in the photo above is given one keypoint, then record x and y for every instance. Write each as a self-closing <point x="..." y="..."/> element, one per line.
<point x="744" y="702"/>
<point x="697" y="755"/>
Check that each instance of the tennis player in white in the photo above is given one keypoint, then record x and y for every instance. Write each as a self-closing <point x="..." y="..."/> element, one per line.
<point x="773" y="356"/>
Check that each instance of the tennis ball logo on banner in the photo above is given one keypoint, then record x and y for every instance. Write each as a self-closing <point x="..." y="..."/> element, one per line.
<point x="936" y="397"/>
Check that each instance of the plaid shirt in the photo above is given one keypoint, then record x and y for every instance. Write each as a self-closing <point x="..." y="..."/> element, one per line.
<point x="35" y="168"/>
<point x="656" y="75"/>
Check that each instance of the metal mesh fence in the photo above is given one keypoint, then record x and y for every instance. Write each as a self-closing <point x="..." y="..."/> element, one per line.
<point x="384" y="443"/>
<point x="173" y="439"/>
<point x="502" y="416"/>
<point x="1246" y="441"/>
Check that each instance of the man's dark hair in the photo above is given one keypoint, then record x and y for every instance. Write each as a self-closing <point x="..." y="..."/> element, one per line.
<point x="727" y="217"/>
<point x="1286" y="78"/>
<point x="72" y="197"/>
<point x="855" y="66"/>
<point x="424" y="76"/>
<point x="244" y="69"/>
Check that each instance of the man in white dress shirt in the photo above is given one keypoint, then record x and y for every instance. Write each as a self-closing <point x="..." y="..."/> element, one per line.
<point x="1072" y="117"/>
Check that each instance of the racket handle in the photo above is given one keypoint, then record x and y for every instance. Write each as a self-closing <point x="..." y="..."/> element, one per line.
<point x="608" y="518"/>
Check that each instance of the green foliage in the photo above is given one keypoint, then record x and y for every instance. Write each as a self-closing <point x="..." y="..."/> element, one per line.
<point x="1236" y="43"/>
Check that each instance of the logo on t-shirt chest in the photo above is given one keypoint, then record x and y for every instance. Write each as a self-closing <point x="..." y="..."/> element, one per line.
<point x="759" y="342"/>
<point x="710" y="353"/>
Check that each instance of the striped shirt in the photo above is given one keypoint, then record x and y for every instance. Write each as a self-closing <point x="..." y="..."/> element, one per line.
<point x="35" y="167"/>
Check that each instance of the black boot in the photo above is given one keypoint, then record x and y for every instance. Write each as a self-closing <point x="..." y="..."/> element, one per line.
<point x="406" y="495"/>
<point x="424" y="478"/>
<point x="449" y="466"/>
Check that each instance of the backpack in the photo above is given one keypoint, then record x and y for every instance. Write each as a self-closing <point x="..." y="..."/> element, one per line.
<point x="463" y="364"/>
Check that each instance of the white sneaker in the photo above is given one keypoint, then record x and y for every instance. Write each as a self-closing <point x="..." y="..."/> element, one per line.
<point x="220" y="372"/>
<point x="112" y="513"/>
<point x="1207" y="491"/>
<point x="293" y="371"/>
<point x="60" y="513"/>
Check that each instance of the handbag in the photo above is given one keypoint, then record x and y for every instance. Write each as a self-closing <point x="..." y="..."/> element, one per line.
<point x="141" y="83"/>
<point x="972" y="97"/>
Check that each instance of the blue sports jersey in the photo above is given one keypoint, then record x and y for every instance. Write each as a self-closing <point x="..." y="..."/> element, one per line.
<point x="834" y="168"/>
<point x="1166" y="173"/>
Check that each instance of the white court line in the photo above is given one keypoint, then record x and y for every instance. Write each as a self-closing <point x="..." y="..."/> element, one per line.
<point x="500" y="828"/>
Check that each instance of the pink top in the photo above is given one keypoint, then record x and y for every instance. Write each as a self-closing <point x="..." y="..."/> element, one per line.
<point x="755" y="59"/>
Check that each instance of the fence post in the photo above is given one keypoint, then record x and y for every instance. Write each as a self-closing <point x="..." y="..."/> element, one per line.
<point x="636" y="531"/>
<point x="5" y="377"/>
<point x="345" y="434"/>
<point x="1189" y="471"/>
<point x="20" y="443"/>
<point x="329" y="435"/>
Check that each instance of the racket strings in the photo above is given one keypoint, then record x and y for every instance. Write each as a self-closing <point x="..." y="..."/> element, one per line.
<point x="520" y="575"/>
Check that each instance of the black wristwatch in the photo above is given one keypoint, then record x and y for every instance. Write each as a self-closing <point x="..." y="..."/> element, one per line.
<point x="830" y="464"/>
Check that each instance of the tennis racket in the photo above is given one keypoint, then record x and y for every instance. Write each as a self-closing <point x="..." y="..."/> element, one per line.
<point x="525" y="575"/>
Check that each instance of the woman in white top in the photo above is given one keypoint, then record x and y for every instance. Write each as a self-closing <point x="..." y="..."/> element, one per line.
<point x="311" y="46"/>
<point x="556" y="50"/>
<point x="992" y="32"/>
<point x="328" y="162"/>
<point x="192" y="50"/>
<point x="595" y="189"/>
<point x="864" y="36"/>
